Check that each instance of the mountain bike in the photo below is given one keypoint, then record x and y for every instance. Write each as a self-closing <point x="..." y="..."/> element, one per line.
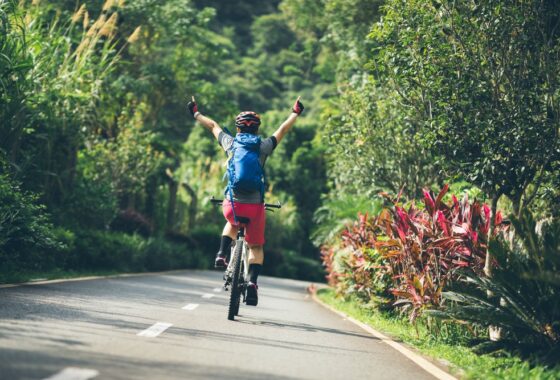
<point x="236" y="275"/>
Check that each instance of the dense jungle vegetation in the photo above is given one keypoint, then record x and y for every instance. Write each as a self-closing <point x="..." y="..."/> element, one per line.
<point x="436" y="121"/>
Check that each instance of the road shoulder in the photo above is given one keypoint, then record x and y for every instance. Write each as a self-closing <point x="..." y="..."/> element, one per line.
<point x="419" y="360"/>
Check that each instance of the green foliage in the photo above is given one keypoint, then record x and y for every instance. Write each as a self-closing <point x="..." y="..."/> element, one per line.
<point x="28" y="240"/>
<point x="336" y="213"/>
<point x="481" y="78"/>
<point x="104" y="250"/>
<point x="527" y="284"/>
<point x="124" y="161"/>
<point x="295" y="266"/>
<point x="409" y="255"/>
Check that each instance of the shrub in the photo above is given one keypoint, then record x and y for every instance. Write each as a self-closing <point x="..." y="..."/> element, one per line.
<point x="426" y="247"/>
<point x="526" y="280"/>
<point x="359" y="268"/>
<point x="298" y="267"/>
<point x="116" y="251"/>
<point x="91" y="204"/>
<point x="132" y="221"/>
<point x="27" y="236"/>
<point x="410" y="254"/>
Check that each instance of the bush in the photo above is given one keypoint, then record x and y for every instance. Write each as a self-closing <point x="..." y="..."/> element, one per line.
<point x="28" y="241"/>
<point x="426" y="247"/>
<point x="526" y="288"/>
<point x="410" y="254"/>
<point x="206" y="238"/>
<point x="298" y="267"/>
<point x="105" y="250"/>
<point x="91" y="204"/>
<point x="132" y="221"/>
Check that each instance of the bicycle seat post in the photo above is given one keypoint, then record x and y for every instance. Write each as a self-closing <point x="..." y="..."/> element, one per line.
<point x="241" y="232"/>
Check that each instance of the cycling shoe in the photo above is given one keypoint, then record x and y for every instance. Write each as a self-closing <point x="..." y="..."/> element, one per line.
<point x="220" y="262"/>
<point x="252" y="298"/>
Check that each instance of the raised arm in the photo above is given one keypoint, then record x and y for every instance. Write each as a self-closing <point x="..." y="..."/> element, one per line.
<point x="287" y="125"/>
<point x="206" y="122"/>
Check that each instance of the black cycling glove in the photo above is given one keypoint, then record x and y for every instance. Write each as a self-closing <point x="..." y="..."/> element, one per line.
<point x="193" y="107"/>
<point x="298" y="106"/>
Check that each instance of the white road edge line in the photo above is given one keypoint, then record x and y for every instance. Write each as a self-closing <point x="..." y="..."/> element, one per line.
<point x="74" y="373"/>
<point x="190" y="306"/>
<point x="207" y="295"/>
<point x="217" y="290"/>
<point x="89" y="278"/>
<point x="417" y="359"/>
<point x="155" y="329"/>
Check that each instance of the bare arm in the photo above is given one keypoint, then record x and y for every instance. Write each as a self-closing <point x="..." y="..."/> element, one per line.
<point x="206" y="122"/>
<point x="285" y="127"/>
<point x="297" y="109"/>
<point x="209" y="124"/>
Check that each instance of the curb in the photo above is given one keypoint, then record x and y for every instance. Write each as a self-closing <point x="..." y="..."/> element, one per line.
<point x="420" y="361"/>
<point x="89" y="278"/>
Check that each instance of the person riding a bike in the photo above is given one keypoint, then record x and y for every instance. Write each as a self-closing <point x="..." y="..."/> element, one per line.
<point x="248" y="204"/>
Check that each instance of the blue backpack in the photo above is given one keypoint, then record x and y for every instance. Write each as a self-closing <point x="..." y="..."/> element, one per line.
<point x="244" y="167"/>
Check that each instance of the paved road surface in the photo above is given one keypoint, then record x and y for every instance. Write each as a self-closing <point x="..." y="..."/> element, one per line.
<point x="95" y="325"/>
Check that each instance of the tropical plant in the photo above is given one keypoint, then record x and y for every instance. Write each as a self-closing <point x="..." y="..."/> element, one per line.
<point x="354" y="266"/>
<point x="527" y="283"/>
<point x="426" y="247"/>
<point x="337" y="213"/>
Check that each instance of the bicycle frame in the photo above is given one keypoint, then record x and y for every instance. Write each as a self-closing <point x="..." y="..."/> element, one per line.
<point x="244" y="259"/>
<point x="236" y="274"/>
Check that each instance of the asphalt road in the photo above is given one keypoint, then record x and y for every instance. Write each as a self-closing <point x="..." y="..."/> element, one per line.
<point x="104" y="329"/>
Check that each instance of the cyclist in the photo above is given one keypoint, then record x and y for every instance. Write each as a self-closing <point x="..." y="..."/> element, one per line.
<point x="251" y="204"/>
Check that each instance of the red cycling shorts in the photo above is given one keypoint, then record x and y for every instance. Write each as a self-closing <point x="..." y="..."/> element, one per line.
<point x="254" y="232"/>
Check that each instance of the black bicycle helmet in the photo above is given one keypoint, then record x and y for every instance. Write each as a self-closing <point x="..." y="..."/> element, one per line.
<point x="248" y="122"/>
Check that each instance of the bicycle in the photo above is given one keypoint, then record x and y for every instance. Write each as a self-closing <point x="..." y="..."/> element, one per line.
<point x="236" y="274"/>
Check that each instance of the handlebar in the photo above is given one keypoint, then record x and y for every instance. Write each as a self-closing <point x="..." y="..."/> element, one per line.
<point x="266" y="205"/>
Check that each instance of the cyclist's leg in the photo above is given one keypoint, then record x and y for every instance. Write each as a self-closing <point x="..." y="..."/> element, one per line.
<point x="228" y="235"/>
<point x="256" y="254"/>
<point x="256" y="259"/>
<point x="230" y="231"/>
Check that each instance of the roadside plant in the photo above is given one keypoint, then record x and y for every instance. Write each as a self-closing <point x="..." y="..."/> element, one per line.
<point x="27" y="236"/>
<point x="526" y="280"/>
<point x="426" y="247"/>
<point x="355" y="266"/>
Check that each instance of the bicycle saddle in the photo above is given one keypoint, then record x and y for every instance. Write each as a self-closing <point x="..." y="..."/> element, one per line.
<point x="243" y="220"/>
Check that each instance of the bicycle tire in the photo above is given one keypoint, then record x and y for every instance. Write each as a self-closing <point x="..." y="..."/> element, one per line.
<point x="235" y="293"/>
<point x="240" y="287"/>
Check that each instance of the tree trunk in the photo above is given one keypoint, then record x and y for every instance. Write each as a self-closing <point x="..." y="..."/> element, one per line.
<point x="130" y="201"/>
<point x="494" y="332"/>
<point x="172" y="204"/>
<point x="151" y="191"/>
<point x="488" y="262"/>
<point x="516" y="203"/>
<point x="193" y="205"/>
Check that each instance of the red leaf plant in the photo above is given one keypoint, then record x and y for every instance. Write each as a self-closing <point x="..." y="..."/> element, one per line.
<point x="354" y="266"/>
<point x="425" y="248"/>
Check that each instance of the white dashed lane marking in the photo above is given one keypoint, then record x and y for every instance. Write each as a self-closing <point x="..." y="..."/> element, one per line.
<point x="155" y="330"/>
<point x="217" y="290"/>
<point x="207" y="295"/>
<point x="190" y="306"/>
<point x="73" y="373"/>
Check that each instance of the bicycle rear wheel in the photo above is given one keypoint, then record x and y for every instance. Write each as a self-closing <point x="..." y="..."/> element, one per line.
<point x="241" y="287"/>
<point x="235" y="293"/>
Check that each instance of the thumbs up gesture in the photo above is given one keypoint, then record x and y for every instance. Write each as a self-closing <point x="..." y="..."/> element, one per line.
<point x="298" y="106"/>
<point x="193" y="107"/>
